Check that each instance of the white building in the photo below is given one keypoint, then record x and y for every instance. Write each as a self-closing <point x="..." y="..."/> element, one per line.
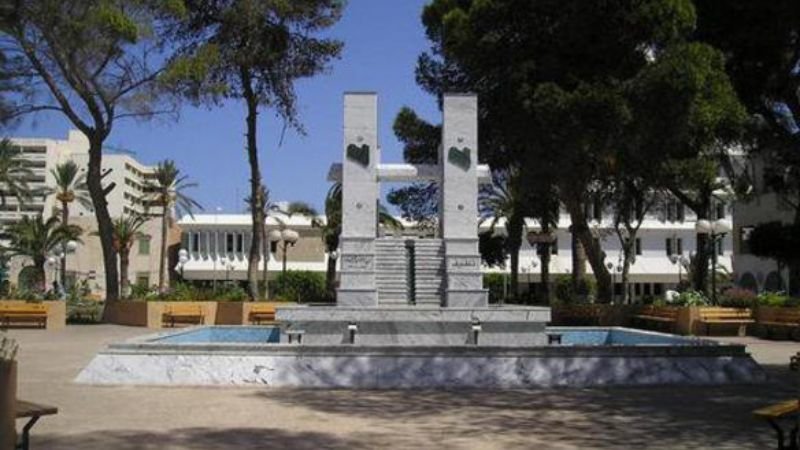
<point x="127" y="174"/>
<point x="218" y="247"/>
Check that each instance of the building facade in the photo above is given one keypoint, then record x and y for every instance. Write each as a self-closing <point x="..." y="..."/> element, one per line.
<point x="128" y="176"/>
<point x="218" y="247"/>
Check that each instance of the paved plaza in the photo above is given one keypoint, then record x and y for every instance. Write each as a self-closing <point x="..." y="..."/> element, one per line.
<point x="124" y="418"/>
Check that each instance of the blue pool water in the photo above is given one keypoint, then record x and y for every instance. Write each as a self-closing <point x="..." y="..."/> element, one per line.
<point x="612" y="336"/>
<point x="210" y="335"/>
<point x="569" y="336"/>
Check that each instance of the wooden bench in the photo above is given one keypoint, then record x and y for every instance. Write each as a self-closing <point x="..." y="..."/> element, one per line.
<point x="32" y="412"/>
<point x="660" y="315"/>
<point x="789" y="319"/>
<point x="18" y="314"/>
<point x="726" y="316"/>
<point x="178" y="313"/>
<point x="262" y="313"/>
<point x="773" y="414"/>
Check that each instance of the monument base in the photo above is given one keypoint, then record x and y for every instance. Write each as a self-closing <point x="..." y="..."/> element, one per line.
<point x="417" y="325"/>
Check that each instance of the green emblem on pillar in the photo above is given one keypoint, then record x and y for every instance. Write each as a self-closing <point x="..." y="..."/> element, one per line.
<point x="358" y="154"/>
<point x="459" y="157"/>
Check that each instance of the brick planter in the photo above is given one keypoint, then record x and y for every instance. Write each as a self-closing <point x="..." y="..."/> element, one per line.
<point x="141" y="313"/>
<point x="56" y="311"/>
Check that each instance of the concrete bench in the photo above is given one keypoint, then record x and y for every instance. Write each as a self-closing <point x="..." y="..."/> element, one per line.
<point x="183" y="314"/>
<point x="659" y="315"/>
<point x="32" y="412"/>
<point x="726" y="316"/>
<point x="18" y="314"/>
<point x="789" y="319"/>
<point x="260" y="313"/>
<point x="777" y="412"/>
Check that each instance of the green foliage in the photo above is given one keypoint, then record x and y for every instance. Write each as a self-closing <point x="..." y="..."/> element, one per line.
<point x="492" y="249"/>
<point x="777" y="299"/>
<point x="776" y="240"/>
<point x="494" y="282"/>
<point x="691" y="298"/>
<point x="299" y="286"/>
<point x="186" y="292"/>
<point x="567" y="293"/>
<point x="14" y="173"/>
<point x="738" y="298"/>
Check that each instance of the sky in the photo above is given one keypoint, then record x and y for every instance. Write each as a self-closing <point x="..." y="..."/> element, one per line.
<point x="382" y="40"/>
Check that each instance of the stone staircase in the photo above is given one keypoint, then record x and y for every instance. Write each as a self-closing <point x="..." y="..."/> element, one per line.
<point x="391" y="271"/>
<point x="429" y="271"/>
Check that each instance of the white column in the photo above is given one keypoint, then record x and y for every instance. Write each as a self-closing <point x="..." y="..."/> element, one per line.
<point x="359" y="200"/>
<point x="458" y="159"/>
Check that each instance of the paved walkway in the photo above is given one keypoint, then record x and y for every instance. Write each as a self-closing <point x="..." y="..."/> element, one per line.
<point x="122" y="418"/>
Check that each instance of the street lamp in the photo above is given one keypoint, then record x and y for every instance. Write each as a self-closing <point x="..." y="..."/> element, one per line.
<point x="52" y="261"/>
<point x="183" y="258"/>
<point x="716" y="230"/>
<point x="288" y="237"/>
<point x="610" y="267"/>
<point x="681" y="261"/>
<point x="228" y="268"/>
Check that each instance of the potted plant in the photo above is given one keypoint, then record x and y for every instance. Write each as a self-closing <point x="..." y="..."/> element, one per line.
<point x="8" y="393"/>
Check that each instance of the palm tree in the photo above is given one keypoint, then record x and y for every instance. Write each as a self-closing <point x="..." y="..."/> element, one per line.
<point x="126" y="231"/>
<point x="503" y="200"/>
<point x="165" y="188"/>
<point x="70" y="185"/>
<point x="36" y="238"/>
<point x="14" y="173"/>
<point x="331" y="229"/>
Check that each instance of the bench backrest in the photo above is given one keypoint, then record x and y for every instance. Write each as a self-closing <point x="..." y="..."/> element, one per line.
<point x="262" y="308"/>
<point x="725" y="313"/>
<point x="33" y="308"/>
<point x="179" y="309"/>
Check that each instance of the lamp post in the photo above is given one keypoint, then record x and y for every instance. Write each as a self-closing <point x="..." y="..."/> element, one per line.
<point x="69" y="247"/>
<point x="716" y="230"/>
<point x="228" y="268"/>
<point x="288" y="238"/>
<point x="183" y="258"/>
<point x="680" y="260"/>
<point x="52" y="262"/>
<point x="610" y="266"/>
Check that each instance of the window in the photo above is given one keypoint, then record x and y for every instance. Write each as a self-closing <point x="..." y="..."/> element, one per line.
<point x="720" y="247"/>
<point x="679" y="246"/>
<point x="598" y="210"/>
<point x="647" y="289"/>
<point x="681" y="212"/>
<point x="229" y="242"/>
<point x="638" y="245"/>
<point x="195" y="242"/>
<point x="144" y="245"/>
<point x="720" y="210"/>
<point x="239" y="242"/>
<point x="658" y="289"/>
<point x="143" y="279"/>
<point x="554" y="247"/>
<point x="668" y="244"/>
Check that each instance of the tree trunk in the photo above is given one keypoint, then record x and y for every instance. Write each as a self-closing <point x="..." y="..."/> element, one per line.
<point x="63" y="262"/>
<point x="105" y="228"/>
<point x="330" y="277"/>
<point x="594" y="253"/>
<point x="578" y="259"/>
<point x="124" y="262"/>
<point x="265" y="245"/>
<point x="162" y="261"/>
<point x="256" y="191"/>
<point x="702" y="253"/>
<point x="544" y="258"/>
<point x="514" y="227"/>
<point x="627" y="256"/>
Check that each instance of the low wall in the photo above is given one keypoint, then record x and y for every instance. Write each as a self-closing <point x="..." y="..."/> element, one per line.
<point x="56" y="312"/>
<point x="688" y="322"/>
<point x="149" y="314"/>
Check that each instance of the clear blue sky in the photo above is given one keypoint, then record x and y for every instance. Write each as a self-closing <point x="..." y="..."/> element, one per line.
<point x="382" y="39"/>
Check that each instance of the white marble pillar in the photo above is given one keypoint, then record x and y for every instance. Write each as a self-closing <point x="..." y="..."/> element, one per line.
<point x="458" y="159"/>
<point x="359" y="200"/>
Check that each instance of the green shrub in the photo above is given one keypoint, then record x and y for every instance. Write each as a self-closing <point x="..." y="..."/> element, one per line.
<point x="494" y="282"/>
<point x="565" y="293"/>
<point x="691" y="298"/>
<point x="299" y="286"/>
<point x="778" y="299"/>
<point x="738" y="298"/>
